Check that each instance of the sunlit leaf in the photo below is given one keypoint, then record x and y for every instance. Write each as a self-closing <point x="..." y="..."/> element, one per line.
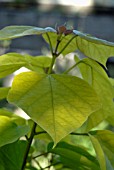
<point x="12" y="155"/>
<point x="10" y="131"/>
<point x="58" y="103"/>
<point x="99" y="152"/>
<point x="75" y="157"/>
<point x="4" y="92"/>
<point x="94" y="74"/>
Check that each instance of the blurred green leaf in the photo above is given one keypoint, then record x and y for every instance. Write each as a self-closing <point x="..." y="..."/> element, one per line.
<point x="106" y="139"/>
<point x="99" y="152"/>
<point x="10" y="131"/>
<point x="75" y="157"/>
<point x="4" y="92"/>
<point x="58" y="103"/>
<point x="15" y="118"/>
<point x="12" y="155"/>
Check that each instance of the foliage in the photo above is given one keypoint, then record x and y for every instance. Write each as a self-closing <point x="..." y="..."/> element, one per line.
<point x="65" y="110"/>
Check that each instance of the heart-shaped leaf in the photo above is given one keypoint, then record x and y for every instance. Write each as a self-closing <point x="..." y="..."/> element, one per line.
<point x="58" y="103"/>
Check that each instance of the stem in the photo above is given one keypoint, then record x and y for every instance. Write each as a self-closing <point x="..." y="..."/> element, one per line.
<point x="80" y="134"/>
<point x="29" y="145"/>
<point x="52" y="63"/>
<point x="38" y="133"/>
<point x="65" y="72"/>
<point x="51" y="48"/>
<point x="54" y="55"/>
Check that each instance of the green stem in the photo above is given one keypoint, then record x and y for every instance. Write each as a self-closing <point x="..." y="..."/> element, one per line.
<point x="80" y="134"/>
<point x="51" y="48"/>
<point x="52" y="63"/>
<point x="28" y="146"/>
<point x="67" y="71"/>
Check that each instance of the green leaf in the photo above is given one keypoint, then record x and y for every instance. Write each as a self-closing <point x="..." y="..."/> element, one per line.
<point x="75" y="157"/>
<point x="10" y="131"/>
<point x="12" y="155"/>
<point x="38" y="63"/>
<point x="11" y="32"/>
<point x="106" y="139"/>
<point x="95" y="48"/>
<point x="15" y="118"/>
<point x="4" y="92"/>
<point x="95" y="75"/>
<point x="10" y="62"/>
<point x="58" y="103"/>
<point x="99" y="152"/>
<point x="13" y="61"/>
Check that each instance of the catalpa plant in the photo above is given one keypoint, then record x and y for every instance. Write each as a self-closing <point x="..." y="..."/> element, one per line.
<point x="60" y="106"/>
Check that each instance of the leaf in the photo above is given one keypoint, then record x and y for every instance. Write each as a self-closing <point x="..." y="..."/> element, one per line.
<point x="10" y="62"/>
<point x="95" y="75"/>
<point x="13" y="61"/>
<point x="15" y="118"/>
<point x="106" y="139"/>
<point x="9" y="131"/>
<point x="4" y="92"/>
<point x="95" y="48"/>
<point x="12" y="155"/>
<point x="99" y="152"/>
<point x="58" y="103"/>
<point x="38" y="63"/>
<point x="75" y="157"/>
<point x="11" y="32"/>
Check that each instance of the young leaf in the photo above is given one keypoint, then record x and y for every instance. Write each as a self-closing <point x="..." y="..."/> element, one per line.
<point x="4" y="92"/>
<point x="11" y="32"/>
<point x="9" y="131"/>
<point x="12" y="155"/>
<point x="99" y="152"/>
<point x="58" y="103"/>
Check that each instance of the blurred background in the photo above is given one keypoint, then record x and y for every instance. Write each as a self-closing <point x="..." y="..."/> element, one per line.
<point x="95" y="17"/>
